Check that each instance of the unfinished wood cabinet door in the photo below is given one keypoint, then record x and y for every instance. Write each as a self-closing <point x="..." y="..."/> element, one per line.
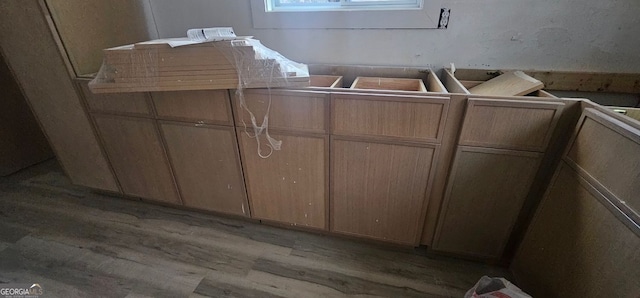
<point x="207" y="167"/>
<point x="138" y="158"/>
<point x="290" y="186"/>
<point x="378" y="190"/>
<point x="485" y="193"/>
<point x="202" y="106"/>
<point x="510" y="124"/>
<point x="291" y="110"/>
<point x="579" y="244"/>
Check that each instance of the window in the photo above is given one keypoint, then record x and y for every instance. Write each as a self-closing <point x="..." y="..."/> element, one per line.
<point x="328" y="5"/>
<point x="345" y="14"/>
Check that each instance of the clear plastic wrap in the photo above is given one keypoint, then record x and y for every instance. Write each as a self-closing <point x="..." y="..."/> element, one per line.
<point x="200" y="64"/>
<point x="184" y="64"/>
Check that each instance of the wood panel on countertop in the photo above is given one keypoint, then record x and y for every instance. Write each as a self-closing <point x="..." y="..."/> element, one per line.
<point x="206" y="166"/>
<point x="510" y="124"/>
<point x="512" y="83"/>
<point x="200" y="106"/>
<point x="138" y="157"/>
<point x="291" y="185"/>
<point x="567" y="80"/>
<point x="27" y="42"/>
<point x="402" y="117"/>
<point x="577" y="246"/>
<point x="380" y="190"/>
<point x="485" y="194"/>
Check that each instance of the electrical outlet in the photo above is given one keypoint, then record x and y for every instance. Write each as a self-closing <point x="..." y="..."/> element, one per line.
<point x="443" y="23"/>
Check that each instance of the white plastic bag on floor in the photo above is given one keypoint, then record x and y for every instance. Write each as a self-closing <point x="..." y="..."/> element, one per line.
<point x="494" y="287"/>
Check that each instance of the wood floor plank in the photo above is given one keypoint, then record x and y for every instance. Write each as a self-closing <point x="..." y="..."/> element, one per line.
<point x="294" y="287"/>
<point x="154" y="212"/>
<point x="426" y="286"/>
<point x="52" y="288"/>
<point x="221" y="287"/>
<point x="11" y="233"/>
<point x="143" y="237"/>
<point x="97" y="271"/>
<point x="343" y="283"/>
<point x="78" y="243"/>
<point x="447" y="272"/>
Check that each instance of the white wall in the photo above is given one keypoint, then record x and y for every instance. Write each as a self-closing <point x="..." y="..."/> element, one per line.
<point x="584" y="35"/>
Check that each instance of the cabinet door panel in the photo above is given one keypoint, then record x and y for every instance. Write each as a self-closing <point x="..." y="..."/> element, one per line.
<point x="138" y="158"/>
<point x="510" y="124"/>
<point x="378" y="190"/>
<point x="486" y="191"/>
<point x="290" y="186"/>
<point x="206" y="166"/>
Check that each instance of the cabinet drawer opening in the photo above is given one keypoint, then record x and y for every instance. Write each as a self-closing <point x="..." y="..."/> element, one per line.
<point x="324" y="81"/>
<point x="389" y="84"/>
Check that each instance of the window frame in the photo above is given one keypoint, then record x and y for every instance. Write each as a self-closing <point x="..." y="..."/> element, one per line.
<point x="424" y="17"/>
<point x="275" y="6"/>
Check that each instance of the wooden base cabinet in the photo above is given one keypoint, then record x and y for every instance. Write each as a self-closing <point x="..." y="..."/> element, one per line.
<point x="206" y="166"/>
<point x="584" y="240"/>
<point x="578" y="245"/>
<point x="138" y="158"/>
<point x="486" y="190"/>
<point x="378" y="189"/>
<point x="290" y="186"/>
<point x="500" y="150"/>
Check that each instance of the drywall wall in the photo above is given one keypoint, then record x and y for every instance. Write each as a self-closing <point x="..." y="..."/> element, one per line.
<point x="584" y="35"/>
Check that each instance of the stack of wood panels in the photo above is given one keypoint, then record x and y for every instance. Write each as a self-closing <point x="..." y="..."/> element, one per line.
<point x="156" y="66"/>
